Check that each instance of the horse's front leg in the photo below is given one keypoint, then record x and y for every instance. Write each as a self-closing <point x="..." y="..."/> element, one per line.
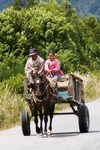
<point x="41" y="120"/>
<point x="51" y="117"/>
<point x="36" y="121"/>
<point x="45" y="122"/>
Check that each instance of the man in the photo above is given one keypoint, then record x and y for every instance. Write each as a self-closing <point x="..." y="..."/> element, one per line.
<point x="34" y="64"/>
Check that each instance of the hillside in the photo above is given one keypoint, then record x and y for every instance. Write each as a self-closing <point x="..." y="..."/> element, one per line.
<point x="83" y="8"/>
<point x="5" y="3"/>
<point x="87" y="8"/>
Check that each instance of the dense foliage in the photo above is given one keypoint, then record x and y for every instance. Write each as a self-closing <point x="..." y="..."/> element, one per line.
<point x="49" y="26"/>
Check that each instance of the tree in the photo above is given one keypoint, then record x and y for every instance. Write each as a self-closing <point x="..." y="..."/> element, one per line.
<point x="19" y="4"/>
<point x="46" y="26"/>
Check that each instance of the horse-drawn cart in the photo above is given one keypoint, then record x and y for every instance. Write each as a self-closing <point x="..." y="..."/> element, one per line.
<point x="70" y="91"/>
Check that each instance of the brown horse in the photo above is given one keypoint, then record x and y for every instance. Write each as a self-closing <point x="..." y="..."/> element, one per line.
<point x="43" y="104"/>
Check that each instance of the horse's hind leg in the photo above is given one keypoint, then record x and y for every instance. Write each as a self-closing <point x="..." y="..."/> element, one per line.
<point x="45" y="121"/>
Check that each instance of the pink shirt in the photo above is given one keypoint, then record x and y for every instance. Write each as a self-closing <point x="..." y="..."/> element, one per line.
<point x="54" y="65"/>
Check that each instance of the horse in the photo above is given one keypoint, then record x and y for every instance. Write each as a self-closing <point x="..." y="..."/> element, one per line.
<point x="44" y="105"/>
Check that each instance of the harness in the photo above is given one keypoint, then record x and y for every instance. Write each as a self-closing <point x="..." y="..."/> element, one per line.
<point x="36" y="100"/>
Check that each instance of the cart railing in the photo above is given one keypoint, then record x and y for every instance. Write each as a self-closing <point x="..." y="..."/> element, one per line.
<point x="72" y="88"/>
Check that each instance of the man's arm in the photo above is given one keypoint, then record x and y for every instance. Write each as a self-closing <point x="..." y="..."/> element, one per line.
<point x="41" y="67"/>
<point x="28" y="67"/>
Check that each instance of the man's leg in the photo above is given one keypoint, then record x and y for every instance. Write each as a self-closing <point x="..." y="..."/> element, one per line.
<point x="25" y="89"/>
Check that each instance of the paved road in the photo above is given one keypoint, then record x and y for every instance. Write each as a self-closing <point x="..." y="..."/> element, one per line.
<point x="66" y="135"/>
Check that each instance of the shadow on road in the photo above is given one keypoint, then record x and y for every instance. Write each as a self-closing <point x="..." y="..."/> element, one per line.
<point x="61" y="134"/>
<point x="69" y="134"/>
<point x="98" y="131"/>
<point x="65" y="134"/>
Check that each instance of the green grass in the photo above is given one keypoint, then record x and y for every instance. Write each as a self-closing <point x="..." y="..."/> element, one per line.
<point x="91" y="85"/>
<point x="11" y="104"/>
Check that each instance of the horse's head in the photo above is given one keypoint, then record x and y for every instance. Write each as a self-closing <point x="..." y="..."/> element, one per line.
<point x="39" y="85"/>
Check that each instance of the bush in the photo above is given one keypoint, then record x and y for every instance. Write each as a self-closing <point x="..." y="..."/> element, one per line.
<point x="11" y="66"/>
<point x="11" y="106"/>
<point x="91" y="85"/>
<point x="15" y="84"/>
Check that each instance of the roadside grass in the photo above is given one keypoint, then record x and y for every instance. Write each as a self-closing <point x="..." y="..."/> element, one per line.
<point x="91" y="85"/>
<point x="11" y="103"/>
<point x="10" y="106"/>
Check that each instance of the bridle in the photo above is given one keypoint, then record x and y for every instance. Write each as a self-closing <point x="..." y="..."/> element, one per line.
<point x="47" y="86"/>
<point x="38" y="79"/>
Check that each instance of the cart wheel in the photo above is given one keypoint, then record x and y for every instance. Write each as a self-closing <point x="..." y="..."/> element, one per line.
<point x="25" y="122"/>
<point x="84" y="121"/>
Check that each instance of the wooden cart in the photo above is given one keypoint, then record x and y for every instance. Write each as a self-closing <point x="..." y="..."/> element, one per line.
<point x="70" y="91"/>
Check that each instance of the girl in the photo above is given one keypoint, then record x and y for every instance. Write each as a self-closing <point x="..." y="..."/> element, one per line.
<point x="52" y="66"/>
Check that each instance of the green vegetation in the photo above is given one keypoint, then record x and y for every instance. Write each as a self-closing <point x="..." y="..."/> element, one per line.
<point x="46" y="26"/>
<point x="11" y="104"/>
<point x="91" y="85"/>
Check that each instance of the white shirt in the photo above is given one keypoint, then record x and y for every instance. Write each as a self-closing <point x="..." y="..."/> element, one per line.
<point x="34" y="64"/>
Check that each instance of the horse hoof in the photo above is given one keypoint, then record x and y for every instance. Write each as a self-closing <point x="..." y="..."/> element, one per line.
<point x="49" y="132"/>
<point x="41" y="134"/>
<point x="38" y="130"/>
<point x="45" y="135"/>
